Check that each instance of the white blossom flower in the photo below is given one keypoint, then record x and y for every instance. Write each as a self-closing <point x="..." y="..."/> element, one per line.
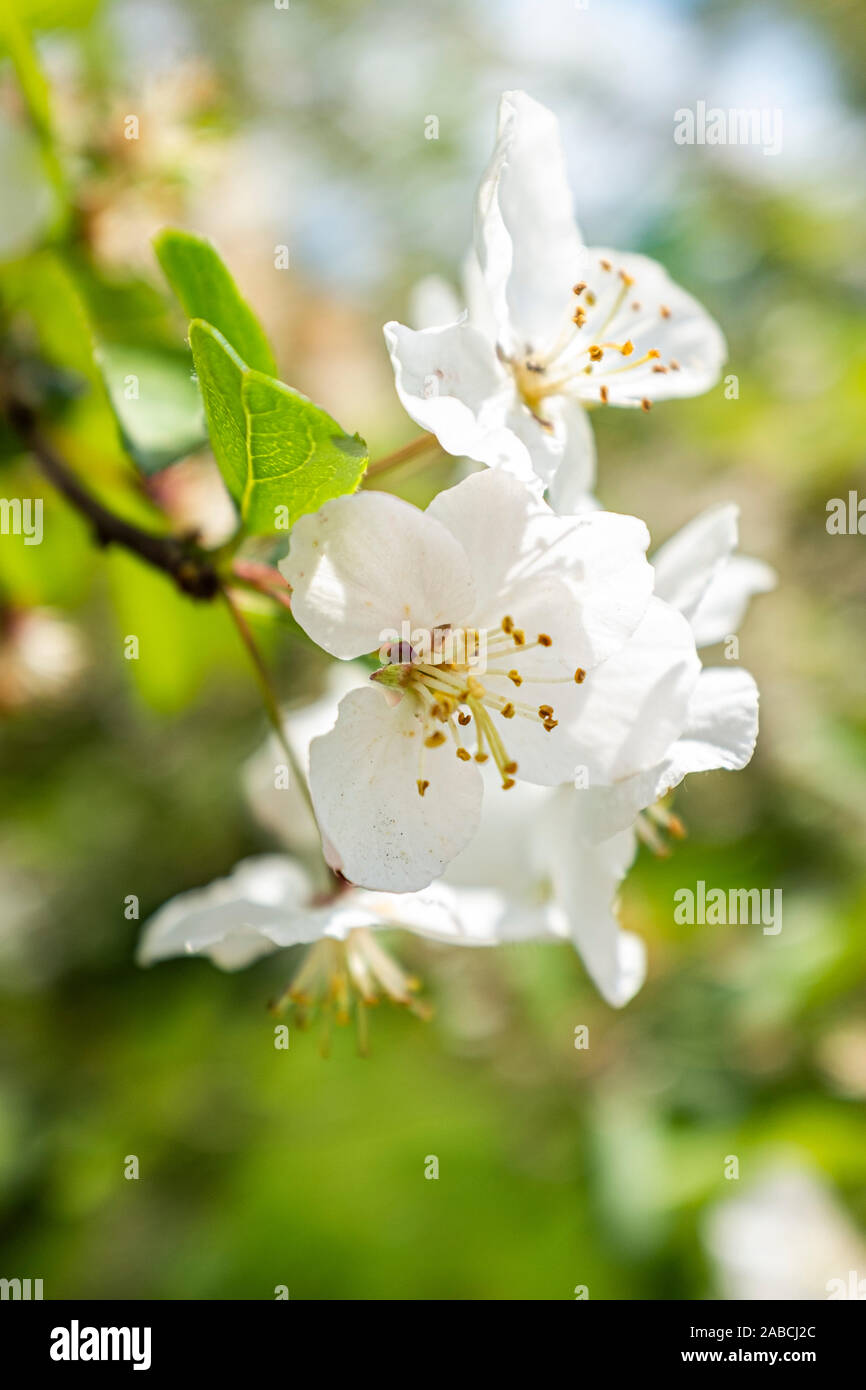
<point x="549" y="863"/>
<point x="544" y="600"/>
<point x="529" y="873"/>
<point x="554" y="326"/>
<point x="785" y="1237"/>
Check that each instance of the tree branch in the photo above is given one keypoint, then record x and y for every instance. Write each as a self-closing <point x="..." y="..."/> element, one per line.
<point x="422" y="444"/>
<point x="183" y="561"/>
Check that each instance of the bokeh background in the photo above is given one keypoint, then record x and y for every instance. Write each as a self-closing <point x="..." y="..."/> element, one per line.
<point x="606" y="1168"/>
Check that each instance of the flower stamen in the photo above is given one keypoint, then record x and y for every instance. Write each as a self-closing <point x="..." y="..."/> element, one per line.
<point x="451" y="695"/>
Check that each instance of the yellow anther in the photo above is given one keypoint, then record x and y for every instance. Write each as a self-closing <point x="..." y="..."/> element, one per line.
<point x="579" y="287"/>
<point x="422" y="787"/>
<point x="510" y="769"/>
<point x="481" y="757"/>
<point x="519" y="636"/>
<point x="590" y="298"/>
<point x="659" y="368"/>
<point x="603" y="394"/>
<point x="550" y="724"/>
<point x="434" y="740"/>
<point x="507" y="784"/>
<point x="475" y="688"/>
<point x="580" y="675"/>
<point x="464" y="754"/>
<point x="596" y="353"/>
<point x="646" y="404"/>
<point x="664" y="311"/>
<point x="443" y="708"/>
<point x="627" y="348"/>
<point x="464" y="718"/>
<point x="545" y="711"/>
<point x="516" y="677"/>
<point x="653" y="352"/>
<point x="579" y="317"/>
<point x="605" y="265"/>
<point x="627" y="280"/>
<point x="507" y="711"/>
<point x="544" y="640"/>
<point x="507" y="624"/>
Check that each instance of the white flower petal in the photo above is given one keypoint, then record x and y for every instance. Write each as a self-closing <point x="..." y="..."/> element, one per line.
<point x="570" y="488"/>
<point x="367" y="563"/>
<point x="508" y="856"/>
<point x="720" y="732"/>
<point x="723" y="606"/>
<point x="379" y="832"/>
<point x="504" y="850"/>
<point x="526" y="237"/>
<point x="529" y="844"/>
<point x="450" y="382"/>
<point x="438" y="913"/>
<point x="636" y="703"/>
<point x="722" y="725"/>
<point x="586" y="577"/>
<point x="229" y="920"/>
<point x="544" y="446"/>
<point x="586" y="881"/>
<point x="457" y="917"/>
<point x="613" y="583"/>
<point x="656" y="316"/>
<point x="492" y="516"/>
<point x="477" y="297"/>
<point x="561" y="450"/>
<point x="686" y="565"/>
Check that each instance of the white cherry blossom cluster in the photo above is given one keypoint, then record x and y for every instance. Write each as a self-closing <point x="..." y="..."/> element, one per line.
<point x="481" y="801"/>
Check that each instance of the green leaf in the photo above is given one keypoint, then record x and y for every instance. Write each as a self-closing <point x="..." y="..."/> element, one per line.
<point x="206" y="290"/>
<point x="275" y="448"/>
<point x="220" y="375"/>
<point x="297" y="456"/>
<point x="123" y="307"/>
<point x="54" y="14"/>
<point x="156" y="403"/>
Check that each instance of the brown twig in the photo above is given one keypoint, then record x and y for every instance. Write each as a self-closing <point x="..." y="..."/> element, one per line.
<point x="264" y="579"/>
<point x="420" y="445"/>
<point x="189" y="567"/>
